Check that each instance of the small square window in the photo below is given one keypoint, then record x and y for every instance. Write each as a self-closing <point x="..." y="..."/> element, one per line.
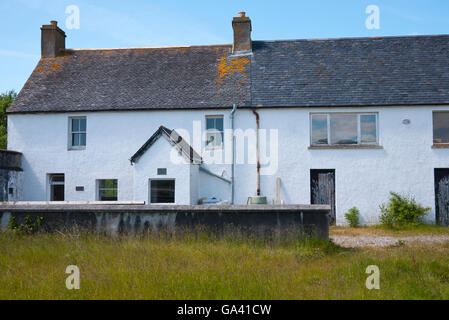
<point x="162" y="171"/>
<point x="107" y="190"/>
<point x="78" y="131"/>
<point x="162" y="191"/>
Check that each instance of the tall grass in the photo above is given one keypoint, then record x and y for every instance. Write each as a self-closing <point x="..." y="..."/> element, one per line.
<point x="200" y="266"/>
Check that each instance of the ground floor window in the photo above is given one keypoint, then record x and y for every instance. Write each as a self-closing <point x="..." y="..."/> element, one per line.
<point x="162" y="191"/>
<point x="56" y="182"/>
<point x="107" y="190"/>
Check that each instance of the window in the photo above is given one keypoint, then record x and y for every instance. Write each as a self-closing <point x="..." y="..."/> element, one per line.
<point x="78" y="132"/>
<point x="214" y="131"/>
<point x="56" y="182"/>
<point x="343" y="129"/>
<point x="162" y="191"/>
<point x="107" y="190"/>
<point x="441" y="127"/>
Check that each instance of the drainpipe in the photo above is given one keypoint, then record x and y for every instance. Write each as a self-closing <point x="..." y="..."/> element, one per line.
<point x="234" y="109"/>
<point x="257" y="151"/>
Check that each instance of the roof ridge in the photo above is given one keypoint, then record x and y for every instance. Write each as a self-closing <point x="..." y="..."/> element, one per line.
<point x="357" y="38"/>
<point x="149" y="48"/>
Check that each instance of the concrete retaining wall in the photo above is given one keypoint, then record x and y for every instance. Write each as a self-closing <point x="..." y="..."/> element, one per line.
<point x="117" y="219"/>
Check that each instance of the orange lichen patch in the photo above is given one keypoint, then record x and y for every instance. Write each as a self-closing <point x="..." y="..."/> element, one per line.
<point x="55" y="66"/>
<point x="40" y="69"/>
<point x="228" y="67"/>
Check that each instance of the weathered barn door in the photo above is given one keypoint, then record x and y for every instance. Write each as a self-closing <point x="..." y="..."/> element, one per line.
<point x="322" y="186"/>
<point x="442" y="196"/>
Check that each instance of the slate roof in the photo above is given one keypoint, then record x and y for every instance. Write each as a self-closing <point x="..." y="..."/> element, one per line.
<point x="386" y="71"/>
<point x="174" y="139"/>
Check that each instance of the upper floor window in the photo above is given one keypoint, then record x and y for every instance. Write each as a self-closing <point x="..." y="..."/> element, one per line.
<point x="441" y="127"/>
<point x="78" y="127"/>
<point x="343" y="129"/>
<point x="214" y="131"/>
<point x="107" y="190"/>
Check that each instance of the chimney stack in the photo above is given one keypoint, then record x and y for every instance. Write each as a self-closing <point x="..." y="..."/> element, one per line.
<point x="52" y="40"/>
<point x="242" y="34"/>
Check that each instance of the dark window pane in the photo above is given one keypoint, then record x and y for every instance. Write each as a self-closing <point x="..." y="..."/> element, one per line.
<point x="441" y="127"/>
<point x="343" y="128"/>
<point x="82" y="139"/>
<point x="219" y="124"/>
<point x="75" y="125"/>
<point x="82" y="123"/>
<point x="210" y="123"/>
<point x="368" y="128"/>
<point x="75" y="139"/>
<point x="319" y="129"/>
<point x="57" y="192"/>
<point x="162" y="191"/>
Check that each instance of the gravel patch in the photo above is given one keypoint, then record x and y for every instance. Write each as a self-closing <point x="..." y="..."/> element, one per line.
<point x="383" y="241"/>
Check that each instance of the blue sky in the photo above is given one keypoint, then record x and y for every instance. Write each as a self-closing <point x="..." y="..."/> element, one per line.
<point x="138" y="23"/>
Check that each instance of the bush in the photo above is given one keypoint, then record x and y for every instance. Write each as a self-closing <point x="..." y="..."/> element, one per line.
<point x="352" y="217"/>
<point x="401" y="210"/>
<point x="27" y="227"/>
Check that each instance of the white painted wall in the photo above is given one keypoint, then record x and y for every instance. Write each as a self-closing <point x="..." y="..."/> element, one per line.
<point x="363" y="177"/>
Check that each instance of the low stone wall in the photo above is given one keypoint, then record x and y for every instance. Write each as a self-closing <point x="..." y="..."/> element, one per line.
<point x="117" y="219"/>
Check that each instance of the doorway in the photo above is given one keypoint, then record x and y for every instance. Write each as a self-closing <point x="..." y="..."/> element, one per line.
<point x="442" y="196"/>
<point x="56" y="186"/>
<point x="322" y="190"/>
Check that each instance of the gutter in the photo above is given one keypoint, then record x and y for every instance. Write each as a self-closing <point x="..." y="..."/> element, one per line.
<point x="257" y="151"/>
<point x="234" y="109"/>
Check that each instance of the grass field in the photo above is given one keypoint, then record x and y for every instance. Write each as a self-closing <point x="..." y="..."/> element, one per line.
<point x="33" y="267"/>
<point x="404" y="231"/>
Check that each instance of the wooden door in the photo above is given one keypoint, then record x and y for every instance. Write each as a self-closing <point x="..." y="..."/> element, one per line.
<point x="442" y="196"/>
<point x="322" y="186"/>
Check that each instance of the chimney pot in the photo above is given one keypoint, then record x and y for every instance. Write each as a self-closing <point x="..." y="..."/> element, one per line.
<point x="52" y="40"/>
<point x="242" y="33"/>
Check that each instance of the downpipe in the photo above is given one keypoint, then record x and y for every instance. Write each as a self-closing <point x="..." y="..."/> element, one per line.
<point x="234" y="109"/>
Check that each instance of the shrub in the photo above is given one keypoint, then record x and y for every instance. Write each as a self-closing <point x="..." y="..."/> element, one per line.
<point x="352" y="217"/>
<point x="27" y="227"/>
<point x="401" y="210"/>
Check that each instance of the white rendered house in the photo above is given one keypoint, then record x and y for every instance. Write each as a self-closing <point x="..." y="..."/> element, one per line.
<point x="341" y="121"/>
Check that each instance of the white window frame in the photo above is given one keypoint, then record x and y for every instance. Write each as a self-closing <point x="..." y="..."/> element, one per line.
<point x="98" y="189"/>
<point x="51" y="183"/>
<point x="70" y="138"/>
<point x="214" y="116"/>
<point x="433" y="129"/>
<point x="149" y="191"/>
<point x="359" y="131"/>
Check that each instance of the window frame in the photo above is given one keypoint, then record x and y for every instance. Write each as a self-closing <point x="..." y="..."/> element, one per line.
<point x="214" y="131"/>
<point x="98" y="189"/>
<point x="71" y="133"/>
<point x="359" y="131"/>
<point x="161" y="203"/>
<point x="51" y="183"/>
<point x="438" y="144"/>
